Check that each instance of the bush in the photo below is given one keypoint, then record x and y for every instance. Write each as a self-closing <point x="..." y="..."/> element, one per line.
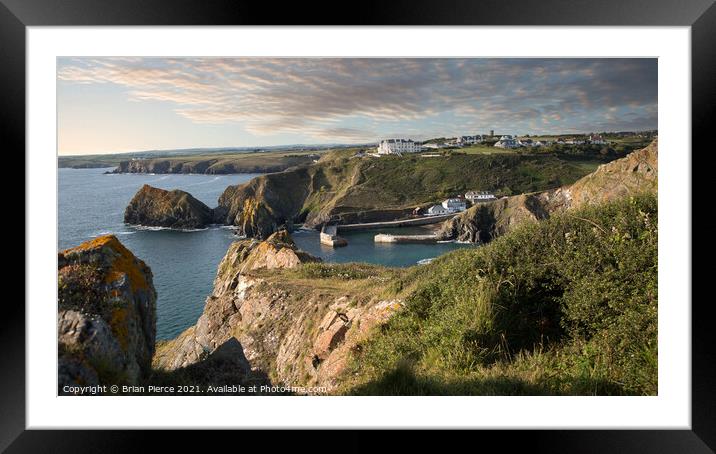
<point x="568" y="305"/>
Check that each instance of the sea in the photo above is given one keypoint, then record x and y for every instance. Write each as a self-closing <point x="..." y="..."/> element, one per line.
<point x="184" y="262"/>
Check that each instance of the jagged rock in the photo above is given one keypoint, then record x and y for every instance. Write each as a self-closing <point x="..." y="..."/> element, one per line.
<point x="298" y="335"/>
<point x="174" y="209"/>
<point x="635" y="173"/>
<point x="106" y="314"/>
<point x="263" y="205"/>
<point x="332" y="331"/>
<point x="223" y="310"/>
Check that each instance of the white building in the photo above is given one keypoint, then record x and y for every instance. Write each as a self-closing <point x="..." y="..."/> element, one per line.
<point x="479" y="196"/>
<point x="469" y="140"/>
<point x="596" y="139"/>
<point x="507" y="142"/>
<point x="527" y="142"/>
<point x="398" y="146"/>
<point x="448" y="206"/>
<point x="454" y="205"/>
<point x="437" y="209"/>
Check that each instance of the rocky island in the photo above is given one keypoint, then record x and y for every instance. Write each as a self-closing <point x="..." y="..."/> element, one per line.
<point x="175" y="209"/>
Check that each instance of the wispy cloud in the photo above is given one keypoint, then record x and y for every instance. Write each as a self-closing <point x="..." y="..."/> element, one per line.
<point x="360" y="99"/>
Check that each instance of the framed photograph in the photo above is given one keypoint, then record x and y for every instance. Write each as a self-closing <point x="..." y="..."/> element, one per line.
<point x="420" y="217"/>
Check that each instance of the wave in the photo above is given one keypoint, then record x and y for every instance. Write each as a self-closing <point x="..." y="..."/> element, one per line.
<point x="426" y="261"/>
<point x="158" y="179"/>
<point x="152" y="228"/>
<point x="206" y="182"/>
<point x="109" y="232"/>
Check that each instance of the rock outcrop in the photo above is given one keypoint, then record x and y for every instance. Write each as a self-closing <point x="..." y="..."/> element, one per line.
<point x="106" y="315"/>
<point x="299" y="333"/>
<point x="364" y="189"/>
<point x="173" y="209"/>
<point x="217" y="164"/>
<point x="635" y="173"/>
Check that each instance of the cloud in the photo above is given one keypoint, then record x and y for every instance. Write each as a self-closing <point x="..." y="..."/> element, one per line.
<point x="327" y="97"/>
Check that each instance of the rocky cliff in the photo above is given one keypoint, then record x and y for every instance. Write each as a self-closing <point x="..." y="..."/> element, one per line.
<point x="351" y="189"/>
<point x="635" y="173"/>
<point x="298" y="329"/>
<point x="174" y="209"/>
<point x="218" y="164"/>
<point x="106" y="315"/>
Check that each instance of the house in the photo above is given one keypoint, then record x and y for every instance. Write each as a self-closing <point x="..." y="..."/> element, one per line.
<point x="527" y="142"/>
<point x="596" y="139"/>
<point x="574" y="142"/>
<point x="398" y="146"/>
<point x="469" y="140"/>
<point x="437" y="209"/>
<point x="507" y="142"/>
<point x="454" y="205"/>
<point x="479" y="196"/>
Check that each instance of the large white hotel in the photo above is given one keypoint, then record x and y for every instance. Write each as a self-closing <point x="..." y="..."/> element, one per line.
<point x="395" y="146"/>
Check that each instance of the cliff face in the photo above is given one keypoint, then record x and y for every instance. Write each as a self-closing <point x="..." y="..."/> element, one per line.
<point x="243" y="163"/>
<point x="175" y="209"/>
<point x="635" y="173"/>
<point x="298" y="332"/>
<point x="266" y="203"/>
<point x="353" y="189"/>
<point x="106" y="315"/>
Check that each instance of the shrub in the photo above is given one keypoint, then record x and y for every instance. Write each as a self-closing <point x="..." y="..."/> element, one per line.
<point x="570" y="303"/>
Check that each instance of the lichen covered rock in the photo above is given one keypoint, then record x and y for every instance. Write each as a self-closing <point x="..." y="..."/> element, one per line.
<point x="173" y="209"/>
<point x="106" y="314"/>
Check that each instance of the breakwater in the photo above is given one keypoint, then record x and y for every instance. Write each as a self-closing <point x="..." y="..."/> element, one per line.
<point x="423" y="220"/>
<point x="387" y="238"/>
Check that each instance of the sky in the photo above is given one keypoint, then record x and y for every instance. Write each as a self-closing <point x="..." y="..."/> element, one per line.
<point x="110" y="105"/>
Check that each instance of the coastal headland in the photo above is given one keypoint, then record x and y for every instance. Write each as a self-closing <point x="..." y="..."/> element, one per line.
<point x="506" y="318"/>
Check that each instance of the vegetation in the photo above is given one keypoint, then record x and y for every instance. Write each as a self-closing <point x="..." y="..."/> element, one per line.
<point x="398" y="182"/>
<point x="364" y="189"/>
<point x="564" y="306"/>
<point x="217" y="162"/>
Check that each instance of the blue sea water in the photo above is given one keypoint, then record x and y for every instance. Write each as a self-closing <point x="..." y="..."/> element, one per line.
<point x="184" y="263"/>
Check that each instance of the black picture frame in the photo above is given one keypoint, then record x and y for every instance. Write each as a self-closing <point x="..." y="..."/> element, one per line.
<point x="700" y="15"/>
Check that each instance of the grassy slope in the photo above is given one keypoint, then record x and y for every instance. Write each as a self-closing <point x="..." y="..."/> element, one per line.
<point x="566" y="306"/>
<point x="218" y="162"/>
<point x="400" y="183"/>
<point x="563" y="306"/>
<point x="339" y="184"/>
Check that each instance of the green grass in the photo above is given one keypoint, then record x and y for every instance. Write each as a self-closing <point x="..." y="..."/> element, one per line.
<point x="217" y="162"/>
<point x="565" y="306"/>
<point x="485" y="149"/>
<point x="400" y="182"/>
<point x="390" y="187"/>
